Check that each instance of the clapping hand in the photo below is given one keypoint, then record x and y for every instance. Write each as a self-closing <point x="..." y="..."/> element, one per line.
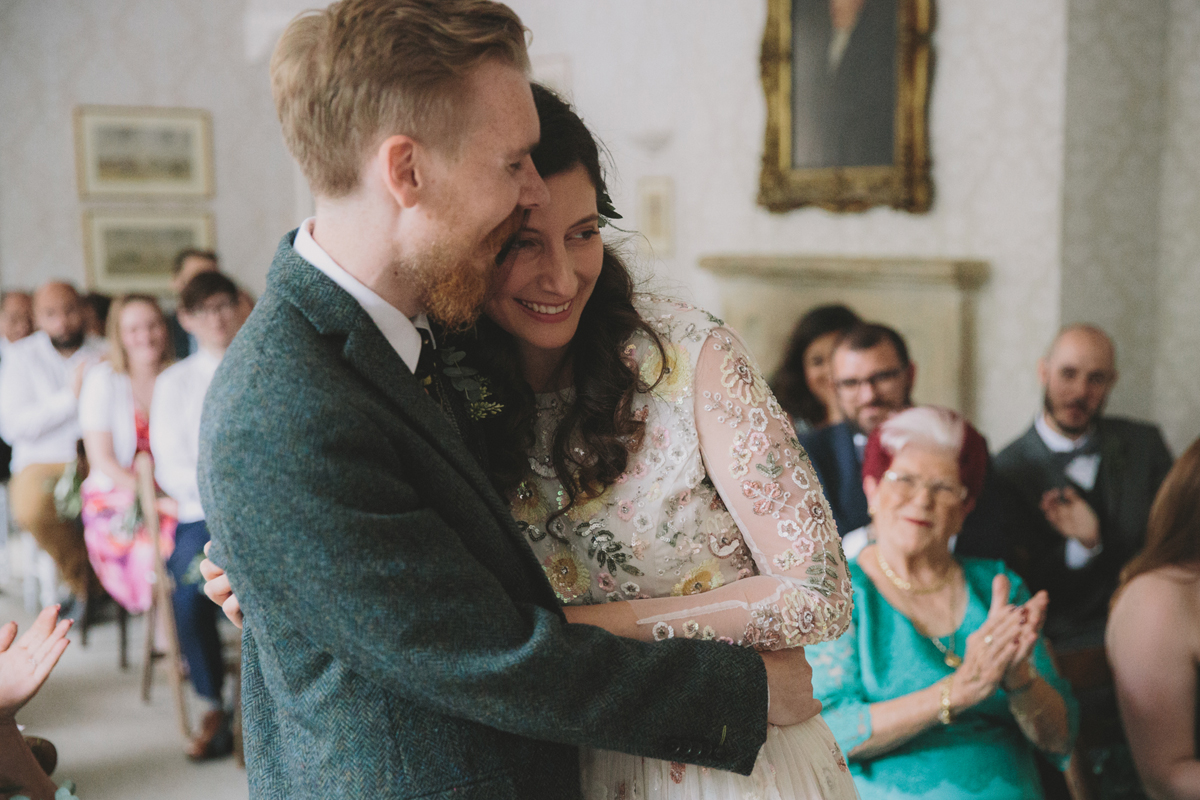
<point x="1071" y="516"/>
<point x="25" y="664"/>
<point x="998" y="652"/>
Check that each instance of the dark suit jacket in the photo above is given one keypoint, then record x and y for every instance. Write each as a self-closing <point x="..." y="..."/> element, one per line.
<point x="989" y="531"/>
<point x="1133" y="462"/>
<point x="401" y="640"/>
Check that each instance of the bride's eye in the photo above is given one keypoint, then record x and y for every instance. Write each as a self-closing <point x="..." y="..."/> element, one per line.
<point x="586" y="234"/>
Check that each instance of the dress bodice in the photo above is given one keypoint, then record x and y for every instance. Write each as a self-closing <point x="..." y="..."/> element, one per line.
<point x="719" y="500"/>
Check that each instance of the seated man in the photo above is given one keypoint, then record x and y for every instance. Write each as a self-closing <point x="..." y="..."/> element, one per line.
<point x="873" y="376"/>
<point x="1089" y="480"/>
<point x="208" y="311"/>
<point x="40" y="379"/>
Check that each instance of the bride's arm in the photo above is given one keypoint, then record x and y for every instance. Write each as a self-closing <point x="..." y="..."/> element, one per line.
<point x="802" y="594"/>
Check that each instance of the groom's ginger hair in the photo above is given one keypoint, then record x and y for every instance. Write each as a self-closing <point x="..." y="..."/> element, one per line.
<point x="347" y="77"/>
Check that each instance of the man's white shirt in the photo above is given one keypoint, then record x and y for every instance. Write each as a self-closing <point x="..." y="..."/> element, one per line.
<point x="400" y="331"/>
<point x="39" y="413"/>
<point x="1082" y="469"/>
<point x="175" y="429"/>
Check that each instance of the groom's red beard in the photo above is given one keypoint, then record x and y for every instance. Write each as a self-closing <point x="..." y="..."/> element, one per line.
<point x="455" y="287"/>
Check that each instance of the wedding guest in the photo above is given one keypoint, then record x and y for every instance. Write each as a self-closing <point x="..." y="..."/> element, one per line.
<point x="25" y="664"/>
<point x="16" y="322"/>
<point x="114" y="414"/>
<point x="873" y="377"/>
<point x="1153" y="638"/>
<point x="95" y="308"/>
<point x="188" y="263"/>
<point x="40" y="380"/>
<point x="942" y="686"/>
<point x="16" y="318"/>
<point x="208" y="311"/>
<point x="803" y="384"/>
<point x="1089" y="480"/>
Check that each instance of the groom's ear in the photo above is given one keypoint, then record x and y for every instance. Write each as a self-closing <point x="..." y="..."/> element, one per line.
<point x="399" y="159"/>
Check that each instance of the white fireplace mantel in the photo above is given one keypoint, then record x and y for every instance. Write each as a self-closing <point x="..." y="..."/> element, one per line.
<point x="929" y="301"/>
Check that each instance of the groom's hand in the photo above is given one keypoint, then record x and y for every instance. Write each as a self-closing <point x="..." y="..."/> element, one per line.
<point x="789" y="681"/>
<point x="219" y="590"/>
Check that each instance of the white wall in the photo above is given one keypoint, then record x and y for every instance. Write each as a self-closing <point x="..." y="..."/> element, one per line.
<point x="56" y="54"/>
<point x="690" y="68"/>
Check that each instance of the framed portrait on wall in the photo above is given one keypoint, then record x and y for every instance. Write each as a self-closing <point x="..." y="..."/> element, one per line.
<point x="847" y="88"/>
<point x="124" y="152"/>
<point x="133" y="250"/>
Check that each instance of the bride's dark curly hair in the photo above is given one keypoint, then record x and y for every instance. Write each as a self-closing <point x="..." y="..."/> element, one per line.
<point x="591" y="445"/>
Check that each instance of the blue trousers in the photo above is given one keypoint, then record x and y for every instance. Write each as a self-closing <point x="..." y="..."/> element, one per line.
<point x="196" y="615"/>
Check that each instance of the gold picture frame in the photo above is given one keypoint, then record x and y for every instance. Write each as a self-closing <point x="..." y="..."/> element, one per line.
<point x="133" y="250"/>
<point x="132" y="152"/>
<point x="825" y="143"/>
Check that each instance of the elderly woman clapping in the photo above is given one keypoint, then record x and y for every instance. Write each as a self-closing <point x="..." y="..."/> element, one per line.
<point x="941" y="687"/>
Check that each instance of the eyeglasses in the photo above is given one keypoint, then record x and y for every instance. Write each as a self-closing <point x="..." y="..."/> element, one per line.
<point x="909" y="486"/>
<point x="213" y="308"/>
<point x="877" y="380"/>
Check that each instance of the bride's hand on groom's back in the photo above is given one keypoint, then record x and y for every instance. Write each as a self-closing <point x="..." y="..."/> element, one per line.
<point x="219" y="590"/>
<point x="789" y="681"/>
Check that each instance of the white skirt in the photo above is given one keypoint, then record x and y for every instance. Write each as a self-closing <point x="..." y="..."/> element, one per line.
<point x="799" y="762"/>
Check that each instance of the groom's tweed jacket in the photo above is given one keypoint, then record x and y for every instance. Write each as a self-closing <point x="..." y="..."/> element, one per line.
<point x="401" y="641"/>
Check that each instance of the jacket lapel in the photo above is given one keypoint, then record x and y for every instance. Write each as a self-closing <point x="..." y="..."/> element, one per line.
<point x="333" y="312"/>
<point x="1111" y="480"/>
<point x="854" y="501"/>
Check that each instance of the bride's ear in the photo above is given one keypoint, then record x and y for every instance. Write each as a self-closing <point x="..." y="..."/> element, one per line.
<point x="401" y="162"/>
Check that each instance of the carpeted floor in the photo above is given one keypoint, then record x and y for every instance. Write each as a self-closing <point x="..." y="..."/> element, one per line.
<point x="111" y="744"/>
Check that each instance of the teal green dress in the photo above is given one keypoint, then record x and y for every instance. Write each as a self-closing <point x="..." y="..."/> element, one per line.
<point x="982" y="754"/>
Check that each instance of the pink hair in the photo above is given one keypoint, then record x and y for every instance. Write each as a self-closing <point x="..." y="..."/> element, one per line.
<point x="930" y="427"/>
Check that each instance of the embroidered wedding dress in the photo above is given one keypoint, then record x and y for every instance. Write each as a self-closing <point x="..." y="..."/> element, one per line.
<point x="719" y="530"/>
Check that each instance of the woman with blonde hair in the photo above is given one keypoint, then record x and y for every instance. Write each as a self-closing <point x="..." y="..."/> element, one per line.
<point x="1153" y="638"/>
<point x="114" y="414"/>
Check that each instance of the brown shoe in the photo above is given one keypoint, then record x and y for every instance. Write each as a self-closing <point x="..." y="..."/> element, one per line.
<point x="214" y="739"/>
<point x="44" y="753"/>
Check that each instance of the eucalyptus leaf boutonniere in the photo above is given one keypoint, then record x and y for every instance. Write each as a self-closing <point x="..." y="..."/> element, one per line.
<point x="468" y="381"/>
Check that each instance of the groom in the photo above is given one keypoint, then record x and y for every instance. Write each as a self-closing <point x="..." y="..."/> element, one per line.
<point x="400" y="639"/>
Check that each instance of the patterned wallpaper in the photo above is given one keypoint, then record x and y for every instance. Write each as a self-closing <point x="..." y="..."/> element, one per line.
<point x="1115" y="71"/>
<point x="55" y="54"/>
<point x="1177" y="377"/>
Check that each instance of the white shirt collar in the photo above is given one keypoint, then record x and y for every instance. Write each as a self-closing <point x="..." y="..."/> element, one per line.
<point x="400" y="331"/>
<point x="1055" y="441"/>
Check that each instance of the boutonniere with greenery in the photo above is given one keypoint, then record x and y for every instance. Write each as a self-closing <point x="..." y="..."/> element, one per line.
<point x="468" y="381"/>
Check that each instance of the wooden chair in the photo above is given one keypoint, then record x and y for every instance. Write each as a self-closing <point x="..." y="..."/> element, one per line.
<point x="160" y="601"/>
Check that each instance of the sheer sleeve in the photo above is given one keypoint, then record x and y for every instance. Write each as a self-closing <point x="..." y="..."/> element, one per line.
<point x="837" y="683"/>
<point x="802" y="593"/>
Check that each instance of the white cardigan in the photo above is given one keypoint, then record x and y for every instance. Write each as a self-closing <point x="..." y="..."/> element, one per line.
<point x="106" y="406"/>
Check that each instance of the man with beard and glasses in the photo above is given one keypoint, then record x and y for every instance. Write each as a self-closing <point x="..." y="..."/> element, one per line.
<point x="400" y="638"/>
<point x="873" y="377"/>
<point x="40" y="380"/>
<point x="1090" y="479"/>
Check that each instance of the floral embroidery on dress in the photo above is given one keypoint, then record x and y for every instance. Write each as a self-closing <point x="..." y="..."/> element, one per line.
<point x="568" y="575"/>
<point x="719" y="491"/>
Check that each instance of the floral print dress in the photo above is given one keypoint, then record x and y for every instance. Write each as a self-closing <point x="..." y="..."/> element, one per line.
<point x="718" y="529"/>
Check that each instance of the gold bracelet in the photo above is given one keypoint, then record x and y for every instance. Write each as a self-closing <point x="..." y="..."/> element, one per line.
<point x="944" y="715"/>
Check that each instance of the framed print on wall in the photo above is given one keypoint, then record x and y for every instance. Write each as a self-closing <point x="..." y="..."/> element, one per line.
<point x="847" y="88"/>
<point x="134" y="250"/>
<point x="124" y="152"/>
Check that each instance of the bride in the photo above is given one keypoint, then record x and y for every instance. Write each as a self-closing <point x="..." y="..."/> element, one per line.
<point x="653" y="473"/>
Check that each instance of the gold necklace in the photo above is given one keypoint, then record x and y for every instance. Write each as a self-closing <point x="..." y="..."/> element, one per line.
<point x="950" y="658"/>
<point x="906" y="586"/>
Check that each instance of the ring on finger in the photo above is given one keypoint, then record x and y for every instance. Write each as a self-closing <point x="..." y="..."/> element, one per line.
<point x="987" y="639"/>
